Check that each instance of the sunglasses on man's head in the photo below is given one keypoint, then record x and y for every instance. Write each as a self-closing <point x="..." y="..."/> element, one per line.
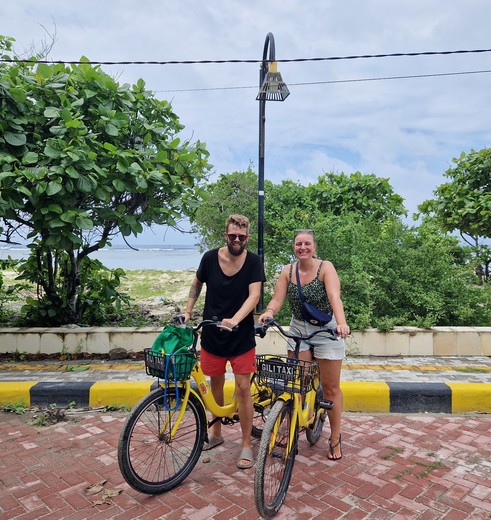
<point x="234" y="236"/>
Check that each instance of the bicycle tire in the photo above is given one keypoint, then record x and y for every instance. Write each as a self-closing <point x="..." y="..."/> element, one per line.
<point x="273" y="467"/>
<point x="147" y="460"/>
<point x="313" y="434"/>
<point x="262" y="397"/>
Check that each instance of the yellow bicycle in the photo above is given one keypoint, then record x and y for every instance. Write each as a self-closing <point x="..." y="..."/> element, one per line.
<point x="298" y="405"/>
<point x="163" y="436"/>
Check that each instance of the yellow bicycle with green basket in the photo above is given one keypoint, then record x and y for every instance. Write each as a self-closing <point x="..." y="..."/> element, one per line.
<point x="163" y="436"/>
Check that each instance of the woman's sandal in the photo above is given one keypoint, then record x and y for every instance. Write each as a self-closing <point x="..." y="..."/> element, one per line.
<point x="330" y="451"/>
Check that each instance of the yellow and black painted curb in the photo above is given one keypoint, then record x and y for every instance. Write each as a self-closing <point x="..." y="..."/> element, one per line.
<point x="393" y="397"/>
<point x="368" y="397"/>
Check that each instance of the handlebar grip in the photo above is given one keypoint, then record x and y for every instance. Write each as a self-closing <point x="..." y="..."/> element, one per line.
<point x="260" y="330"/>
<point x="178" y="320"/>
<point x="228" y="329"/>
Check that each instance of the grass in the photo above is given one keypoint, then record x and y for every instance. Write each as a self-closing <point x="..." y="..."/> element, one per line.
<point x="17" y="408"/>
<point x="394" y="452"/>
<point x="142" y="284"/>
<point x="145" y="284"/>
<point x="471" y="370"/>
<point x="429" y="467"/>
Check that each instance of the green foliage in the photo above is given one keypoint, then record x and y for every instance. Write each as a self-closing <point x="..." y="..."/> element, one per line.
<point x="357" y="193"/>
<point x="391" y="274"/>
<point x="52" y="414"/>
<point x="464" y="204"/>
<point x="288" y="207"/>
<point x="231" y="193"/>
<point x="99" y="302"/>
<point x="18" y="408"/>
<point x="83" y="159"/>
<point x="7" y="294"/>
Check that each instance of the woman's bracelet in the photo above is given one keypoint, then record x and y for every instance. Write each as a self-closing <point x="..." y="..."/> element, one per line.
<point x="270" y="309"/>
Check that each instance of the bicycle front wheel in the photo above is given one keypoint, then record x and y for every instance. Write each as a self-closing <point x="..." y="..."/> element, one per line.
<point x="152" y="459"/>
<point x="275" y="459"/>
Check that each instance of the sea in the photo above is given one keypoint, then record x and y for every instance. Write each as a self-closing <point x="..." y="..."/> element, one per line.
<point x="168" y="257"/>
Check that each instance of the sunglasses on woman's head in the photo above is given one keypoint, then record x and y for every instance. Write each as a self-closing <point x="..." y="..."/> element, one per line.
<point x="234" y="236"/>
<point x="309" y="231"/>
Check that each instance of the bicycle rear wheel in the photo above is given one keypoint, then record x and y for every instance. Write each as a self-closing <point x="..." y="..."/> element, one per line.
<point x="152" y="461"/>
<point x="313" y="433"/>
<point x="275" y="460"/>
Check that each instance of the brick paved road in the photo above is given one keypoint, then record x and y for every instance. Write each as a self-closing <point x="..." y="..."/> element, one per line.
<point x="395" y="466"/>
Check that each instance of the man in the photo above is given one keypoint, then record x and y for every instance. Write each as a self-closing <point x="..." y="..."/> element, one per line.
<point x="233" y="278"/>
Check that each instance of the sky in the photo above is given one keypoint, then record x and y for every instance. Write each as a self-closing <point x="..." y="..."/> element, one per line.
<point x="339" y="117"/>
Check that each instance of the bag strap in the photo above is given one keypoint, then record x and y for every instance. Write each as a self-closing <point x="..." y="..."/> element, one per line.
<point x="299" y="287"/>
<point x="168" y="359"/>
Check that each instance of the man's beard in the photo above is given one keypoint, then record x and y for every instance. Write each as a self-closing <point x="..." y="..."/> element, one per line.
<point x="235" y="252"/>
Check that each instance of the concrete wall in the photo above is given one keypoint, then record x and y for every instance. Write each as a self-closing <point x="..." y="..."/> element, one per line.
<point x="402" y="341"/>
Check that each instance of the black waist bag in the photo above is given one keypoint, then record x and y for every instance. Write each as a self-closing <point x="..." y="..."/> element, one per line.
<point x="310" y="313"/>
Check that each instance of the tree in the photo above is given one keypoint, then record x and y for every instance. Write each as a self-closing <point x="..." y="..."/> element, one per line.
<point x="464" y="204"/>
<point x="232" y="193"/>
<point x="83" y="159"/>
<point x="391" y="274"/>
<point x="363" y="194"/>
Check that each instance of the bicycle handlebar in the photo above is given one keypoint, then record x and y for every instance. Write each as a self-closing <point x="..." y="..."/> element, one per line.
<point x="260" y="330"/>
<point x="179" y="320"/>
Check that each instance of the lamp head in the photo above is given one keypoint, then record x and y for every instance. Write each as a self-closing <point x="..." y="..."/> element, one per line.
<point x="273" y="87"/>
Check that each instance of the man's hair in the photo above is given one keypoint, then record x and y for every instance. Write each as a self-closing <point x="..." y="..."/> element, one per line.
<point x="237" y="220"/>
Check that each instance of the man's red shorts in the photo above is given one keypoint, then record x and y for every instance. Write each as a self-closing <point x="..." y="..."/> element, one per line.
<point x="217" y="365"/>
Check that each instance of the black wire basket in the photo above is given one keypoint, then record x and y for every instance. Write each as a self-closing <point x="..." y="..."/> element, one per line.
<point x="169" y="367"/>
<point x="285" y="374"/>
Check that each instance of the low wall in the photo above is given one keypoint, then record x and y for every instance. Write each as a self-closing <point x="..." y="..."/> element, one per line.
<point x="401" y="341"/>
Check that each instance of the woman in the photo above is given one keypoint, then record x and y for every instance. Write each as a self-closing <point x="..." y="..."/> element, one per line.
<point x="321" y="287"/>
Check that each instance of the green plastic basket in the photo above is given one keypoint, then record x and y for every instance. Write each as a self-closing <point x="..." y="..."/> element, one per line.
<point x="170" y="367"/>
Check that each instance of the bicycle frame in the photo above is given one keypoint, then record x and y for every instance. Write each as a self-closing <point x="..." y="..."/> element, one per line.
<point x="301" y="412"/>
<point x="204" y="393"/>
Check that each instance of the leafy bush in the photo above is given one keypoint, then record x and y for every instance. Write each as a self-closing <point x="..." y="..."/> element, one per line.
<point x="393" y="275"/>
<point x="100" y="300"/>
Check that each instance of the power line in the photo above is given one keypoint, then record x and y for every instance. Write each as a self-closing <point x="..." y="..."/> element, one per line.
<point x="197" y="62"/>
<point x="383" y="78"/>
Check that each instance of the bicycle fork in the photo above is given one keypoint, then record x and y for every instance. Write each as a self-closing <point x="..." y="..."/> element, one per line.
<point x="279" y="442"/>
<point x="165" y="432"/>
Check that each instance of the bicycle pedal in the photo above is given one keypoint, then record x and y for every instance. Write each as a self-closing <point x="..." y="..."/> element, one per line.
<point x="326" y="405"/>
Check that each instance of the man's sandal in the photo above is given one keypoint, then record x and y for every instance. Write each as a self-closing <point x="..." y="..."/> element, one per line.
<point x="332" y="447"/>
<point x="246" y="459"/>
<point x="212" y="443"/>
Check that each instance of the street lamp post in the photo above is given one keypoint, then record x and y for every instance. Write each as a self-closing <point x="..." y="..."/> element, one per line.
<point x="271" y="88"/>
